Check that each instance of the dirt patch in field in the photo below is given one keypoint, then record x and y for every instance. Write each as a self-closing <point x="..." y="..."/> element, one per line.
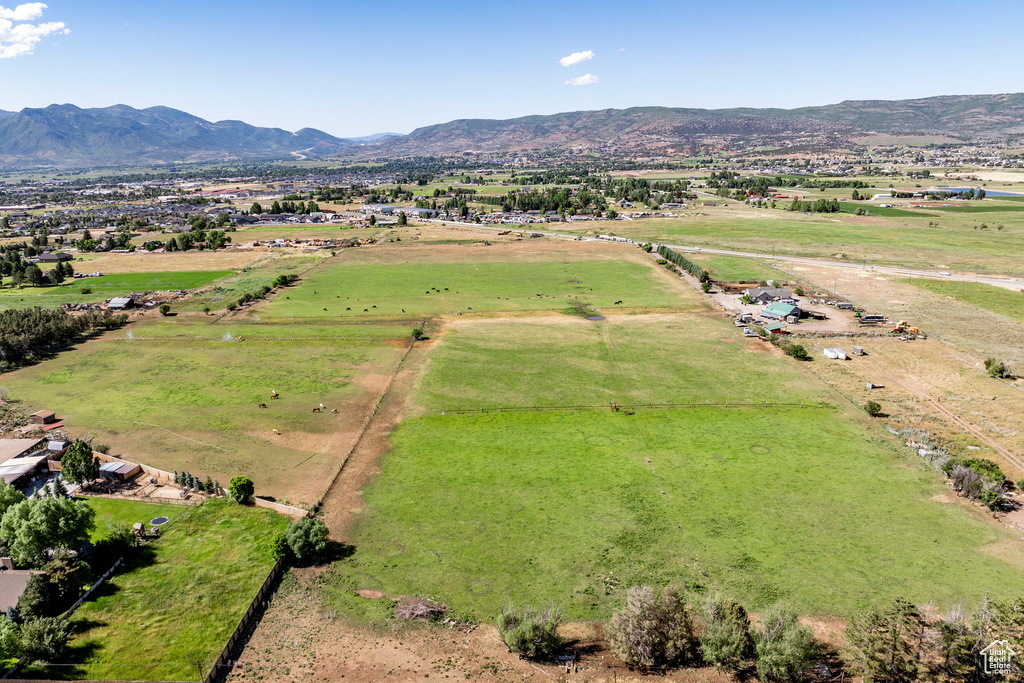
<point x="969" y="328"/>
<point x="928" y="385"/>
<point x="302" y="640"/>
<point x="147" y="262"/>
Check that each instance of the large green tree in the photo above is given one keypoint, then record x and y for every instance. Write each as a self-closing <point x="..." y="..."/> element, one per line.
<point x="241" y="488"/>
<point x="78" y="465"/>
<point x="34" y="526"/>
<point x="9" y="497"/>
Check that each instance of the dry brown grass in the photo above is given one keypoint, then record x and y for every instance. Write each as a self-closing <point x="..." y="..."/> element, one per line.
<point x="145" y="262"/>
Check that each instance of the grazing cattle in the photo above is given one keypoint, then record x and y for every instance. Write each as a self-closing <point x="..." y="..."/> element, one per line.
<point x="262" y="405"/>
<point x="617" y="303"/>
<point x="274" y="394"/>
<point x="316" y="410"/>
<point x="276" y="432"/>
<point x="323" y="407"/>
<point x="334" y="410"/>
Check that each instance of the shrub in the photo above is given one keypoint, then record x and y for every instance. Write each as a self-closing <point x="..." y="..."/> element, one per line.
<point x="45" y="638"/>
<point x="650" y="630"/>
<point x="231" y="306"/>
<point x="873" y="408"/>
<point x="279" y="546"/>
<point x="784" y="648"/>
<point x="241" y="488"/>
<point x="997" y="368"/>
<point x="798" y="352"/>
<point x="705" y="286"/>
<point x="164" y="309"/>
<point x="530" y="632"/>
<point x="85" y="290"/>
<point x="726" y="642"/>
<point x="306" y="537"/>
<point x="417" y="332"/>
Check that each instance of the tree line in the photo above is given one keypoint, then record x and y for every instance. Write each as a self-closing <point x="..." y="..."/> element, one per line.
<point x="31" y="334"/>
<point x="684" y="263"/>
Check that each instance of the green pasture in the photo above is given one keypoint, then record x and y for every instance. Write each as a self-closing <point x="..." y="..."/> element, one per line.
<point x="908" y="242"/>
<point x="812" y="506"/>
<point x="886" y="211"/>
<point x="996" y="299"/>
<point x="734" y="269"/>
<point x="341" y="291"/>
<point x="250" y="279"/>
<point x="170" y="613"/>
<point x="107" y="286"/>
<point x="185" y="397"/>
<point x="624" y="359"/>
<point x="111" y="513"/>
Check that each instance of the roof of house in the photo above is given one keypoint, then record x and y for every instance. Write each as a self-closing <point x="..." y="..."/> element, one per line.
<point x="772" y="327"/>
<point x="777" y="292"/>
<point x="43" y="413"/>
<point x="120" y="301"/>
<point x="12" y="448"/>
<point x="12" y="585"/>
<point x="779" y="308"/>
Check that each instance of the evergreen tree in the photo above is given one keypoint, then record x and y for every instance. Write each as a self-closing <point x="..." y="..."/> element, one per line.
<point x="255" y="209"/>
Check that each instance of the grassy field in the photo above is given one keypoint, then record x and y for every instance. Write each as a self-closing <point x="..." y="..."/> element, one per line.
<point x="178" y="604"/>
<point x="105" y="287"/>
<point x="951" y="239"/>
<point x="342" y="291"/>
<point x="995" y="299"/>
<point x="732" y="269"/>
<point x="805" y="505"/>
<point x="626" y="359"/>
<point x="183" y="395"/>
<point x="249" y="279"/>
<point x="112" y="513"/>
<point x="814" y="505"/>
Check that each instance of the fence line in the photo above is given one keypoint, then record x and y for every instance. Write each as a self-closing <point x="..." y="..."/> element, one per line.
<point x="141" y="499"/>
<point x="620" y="406"/>
<point x="223" y="663"/>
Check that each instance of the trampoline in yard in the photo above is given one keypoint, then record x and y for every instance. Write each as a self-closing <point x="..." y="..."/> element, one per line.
<point x="159" y="521"/>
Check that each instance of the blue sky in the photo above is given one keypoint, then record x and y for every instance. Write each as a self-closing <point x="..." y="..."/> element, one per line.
<point x="354" y="68"/>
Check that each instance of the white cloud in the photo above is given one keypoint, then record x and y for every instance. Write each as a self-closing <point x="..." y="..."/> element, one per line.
<point x="585" y="79"/>
<point x="576" y="58"/>
<point x="20" y="38"/>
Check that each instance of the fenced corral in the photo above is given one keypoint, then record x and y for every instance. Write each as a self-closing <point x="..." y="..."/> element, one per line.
<point x="619" y="407"/>
<point x="223" y="665"/>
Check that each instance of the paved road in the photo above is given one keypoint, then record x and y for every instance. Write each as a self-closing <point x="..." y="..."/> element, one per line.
<point x="1007" y="283"/>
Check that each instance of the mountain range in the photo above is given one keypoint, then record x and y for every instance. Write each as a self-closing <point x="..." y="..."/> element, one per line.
<point x="68" y="136"/>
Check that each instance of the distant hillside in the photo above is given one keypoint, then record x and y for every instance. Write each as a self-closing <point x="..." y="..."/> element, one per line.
<point x="373" y="139"/>
<point x="65" y="135"/>
<point x="967" y="118"/>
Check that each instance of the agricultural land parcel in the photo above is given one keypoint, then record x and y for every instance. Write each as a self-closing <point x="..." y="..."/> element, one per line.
<point x="907" y="241"/>
<point x="168" y="615"/>
<point x="814" y="505"/>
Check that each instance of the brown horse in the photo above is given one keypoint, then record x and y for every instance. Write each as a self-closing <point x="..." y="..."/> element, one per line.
<point x="316" y="410"/>
<point x="262" y="405"/>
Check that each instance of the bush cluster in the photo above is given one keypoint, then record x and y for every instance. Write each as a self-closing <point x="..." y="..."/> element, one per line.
<point x="789" y="347"/>
<point x="191" y="481"/>
<point x="655" y="630"/>
<point x="530" y="631"/>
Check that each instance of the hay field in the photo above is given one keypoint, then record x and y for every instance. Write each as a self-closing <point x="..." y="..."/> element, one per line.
<point x="183" y="396"/>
